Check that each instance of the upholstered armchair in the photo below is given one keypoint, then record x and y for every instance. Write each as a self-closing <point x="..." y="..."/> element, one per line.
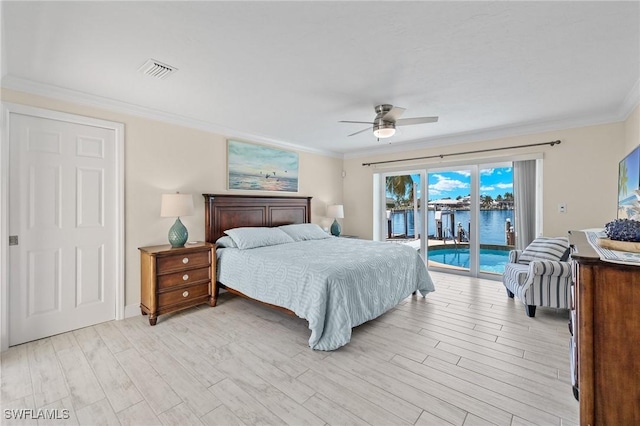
<point x="540" y="275"/>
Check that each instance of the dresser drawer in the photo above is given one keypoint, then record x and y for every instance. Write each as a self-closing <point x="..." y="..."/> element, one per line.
<point x="182" y="261"/>
<point x="183" y="277"/>
<point x="183" y="295"/>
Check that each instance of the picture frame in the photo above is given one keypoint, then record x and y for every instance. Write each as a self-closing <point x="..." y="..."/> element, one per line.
<point x="254" y="167"/>
<point x="629" y="186"/>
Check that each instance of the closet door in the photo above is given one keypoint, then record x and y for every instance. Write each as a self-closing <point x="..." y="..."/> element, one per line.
<point x="62" y="212"/>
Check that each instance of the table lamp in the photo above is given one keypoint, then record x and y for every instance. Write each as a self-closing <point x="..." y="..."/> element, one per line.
<point x="176" y="205"/>
<point x="335" y="211"/>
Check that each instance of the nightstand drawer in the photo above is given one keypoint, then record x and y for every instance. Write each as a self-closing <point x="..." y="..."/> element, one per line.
<point x="173" y="278"/>
<point x="183" y="295"/>
<point x="183" y="277"/>
<point x="182" y="261"/>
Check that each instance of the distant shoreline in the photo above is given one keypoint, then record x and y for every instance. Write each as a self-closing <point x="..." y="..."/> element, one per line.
<point x="463" y="209"/>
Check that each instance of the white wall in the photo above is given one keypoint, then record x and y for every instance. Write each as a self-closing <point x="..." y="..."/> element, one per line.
<point x="581" y="172"/>
<point x="161" y="157"/>
<point x="632" y="130"/>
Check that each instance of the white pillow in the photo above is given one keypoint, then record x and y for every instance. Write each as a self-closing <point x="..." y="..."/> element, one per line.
<point x="226" y="241"/>
<point x="304" y="232"/>
<point x="246" y="238"/>
<point x="545" y="248"/>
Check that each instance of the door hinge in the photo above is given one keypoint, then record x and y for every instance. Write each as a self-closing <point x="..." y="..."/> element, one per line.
<point x="13" y="240"/>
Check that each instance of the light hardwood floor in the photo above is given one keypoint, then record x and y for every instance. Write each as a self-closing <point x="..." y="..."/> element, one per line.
<point x="464" y="355"/>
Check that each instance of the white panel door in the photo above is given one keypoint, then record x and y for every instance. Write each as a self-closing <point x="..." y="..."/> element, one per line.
<point x="62" y="201"/>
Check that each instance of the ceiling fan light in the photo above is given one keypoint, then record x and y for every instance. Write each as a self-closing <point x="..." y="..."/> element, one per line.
<point x="384" y="132"/>
<point x="383" y="129"/>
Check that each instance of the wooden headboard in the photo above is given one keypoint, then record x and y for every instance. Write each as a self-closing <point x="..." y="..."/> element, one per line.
<point x="226" y="211"/>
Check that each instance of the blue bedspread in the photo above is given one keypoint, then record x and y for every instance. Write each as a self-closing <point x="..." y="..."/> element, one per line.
<point x="335" y="283"/>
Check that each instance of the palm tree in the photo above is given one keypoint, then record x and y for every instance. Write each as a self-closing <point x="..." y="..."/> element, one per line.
<point x="623" y="179"/>
<point x="401" y="188"/>
<point x="486" y="201"/>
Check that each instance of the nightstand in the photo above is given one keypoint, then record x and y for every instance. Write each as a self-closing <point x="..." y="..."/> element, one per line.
<point x="175" y="278"/>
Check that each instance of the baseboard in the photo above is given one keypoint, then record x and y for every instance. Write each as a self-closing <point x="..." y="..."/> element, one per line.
<point x="132" y="310"/>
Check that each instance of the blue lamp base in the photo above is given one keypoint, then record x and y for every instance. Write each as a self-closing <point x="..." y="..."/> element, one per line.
<point x="335" y="228"/>
<point x="178" y="234"/>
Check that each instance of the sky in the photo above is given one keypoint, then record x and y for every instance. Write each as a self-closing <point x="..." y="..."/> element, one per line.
<point x="493" y="182"/>
<point x="251" y="159"/>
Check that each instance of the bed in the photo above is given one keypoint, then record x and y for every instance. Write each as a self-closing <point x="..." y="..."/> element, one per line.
<point x="274" y="255"/>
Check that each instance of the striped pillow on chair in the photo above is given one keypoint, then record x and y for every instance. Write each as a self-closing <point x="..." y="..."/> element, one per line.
<point x="546" y="248"/>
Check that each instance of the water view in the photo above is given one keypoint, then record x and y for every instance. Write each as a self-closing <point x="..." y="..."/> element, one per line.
<point x="492" y="233"/>
<point x="263" y="182"/>
<point x="492" y="224"/>
<point x="448" y="214"/>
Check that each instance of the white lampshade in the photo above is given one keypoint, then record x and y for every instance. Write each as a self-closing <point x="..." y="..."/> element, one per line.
<point x="335" y="211"/>
<point x="176" y="205"/>
<point x="384" y="130"/>
<point x="384" y="133"/>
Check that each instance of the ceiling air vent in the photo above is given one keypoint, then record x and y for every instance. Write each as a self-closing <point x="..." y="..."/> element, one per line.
<point x="157" y="69"/>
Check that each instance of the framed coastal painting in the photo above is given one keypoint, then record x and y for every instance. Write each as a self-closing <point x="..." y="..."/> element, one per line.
<point x="261" y="168"/>
<point x="629" y="186"/>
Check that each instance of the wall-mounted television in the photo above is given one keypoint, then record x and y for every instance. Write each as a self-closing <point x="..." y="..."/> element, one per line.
<point x="629" y="186"/>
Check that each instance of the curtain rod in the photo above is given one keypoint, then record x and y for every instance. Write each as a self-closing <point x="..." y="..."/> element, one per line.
<point x="552" y="143"/>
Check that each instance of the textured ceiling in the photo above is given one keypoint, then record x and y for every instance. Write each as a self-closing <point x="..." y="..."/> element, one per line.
<point x="287" y="72"/>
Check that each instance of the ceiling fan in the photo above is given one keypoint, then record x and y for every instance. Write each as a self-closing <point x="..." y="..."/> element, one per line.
<point x="387" y="118"/>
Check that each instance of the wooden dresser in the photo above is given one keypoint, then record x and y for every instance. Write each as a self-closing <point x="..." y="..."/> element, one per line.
<point x="175" y="278"/>
<point x="607" y="336"/>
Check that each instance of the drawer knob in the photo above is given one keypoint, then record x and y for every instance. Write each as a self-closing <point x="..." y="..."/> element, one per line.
<point x="185" y="294"/>
<point x="185" y="260"/>
<point x="185" y="277"/>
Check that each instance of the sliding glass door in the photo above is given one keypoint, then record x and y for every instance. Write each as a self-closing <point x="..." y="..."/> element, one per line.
<point x="461" y="218"/>
<point x="402" y="220"/>
<point x="449" y="218"/>
<point x="470" y="218"/>
<point x="496" y="218"/>
<point x="402" y="206"/>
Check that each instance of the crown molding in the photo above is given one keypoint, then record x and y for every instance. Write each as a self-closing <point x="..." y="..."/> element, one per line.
<point x="627" y="106"/>
<point x="631" y="101"/>
<point x="59" y="93"/>
<point x="501" y="132"/>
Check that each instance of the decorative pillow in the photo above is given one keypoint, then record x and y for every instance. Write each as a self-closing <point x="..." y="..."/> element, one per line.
<point x="226" y="241"/>
<point x="546" y="248"/>
<point x="246" y="238"/>
<point x="304" y="232"/>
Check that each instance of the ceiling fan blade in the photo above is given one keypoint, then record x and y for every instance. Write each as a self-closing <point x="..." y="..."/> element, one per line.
<point x="358" y="122"/>
<point x="394" y="114"/>
<point x="415" y="120"/>
<point x="367" y="129"/>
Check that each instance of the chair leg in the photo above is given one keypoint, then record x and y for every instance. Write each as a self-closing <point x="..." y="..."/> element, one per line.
<point x="509" y="293"/>
<point x="530" y="310"/>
